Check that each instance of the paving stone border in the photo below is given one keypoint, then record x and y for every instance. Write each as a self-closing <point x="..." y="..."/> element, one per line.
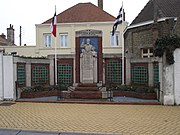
<point x="25" y="132"/>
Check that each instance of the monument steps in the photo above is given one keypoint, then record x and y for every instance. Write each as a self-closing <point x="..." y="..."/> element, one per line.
<point x="87" y="85"/>
<point x="86" y="95"/>
<point x="86" y="91"/>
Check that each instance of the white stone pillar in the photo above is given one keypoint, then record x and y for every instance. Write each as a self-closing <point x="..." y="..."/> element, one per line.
<point x="128" y="71"/>
<point x="94" y="70"/>
<point x="168" y="85"/>
<point x="161" y="82"/>
<point x="51" y="68"/>
<point x="150" y="73"/>
<point x="1" y="77"/>
<point x="177" y="76"/>
<point x="9" y="83"/>
<point x="28" y="74"/>
<point x="167" y="82"/>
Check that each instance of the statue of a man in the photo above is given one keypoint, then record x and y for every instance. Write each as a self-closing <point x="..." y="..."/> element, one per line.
<point x="88" y="48"/>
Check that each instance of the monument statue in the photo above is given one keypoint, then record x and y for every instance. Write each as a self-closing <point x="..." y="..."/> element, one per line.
<point x="87" y="48"/>
<point x="88" y="63"/>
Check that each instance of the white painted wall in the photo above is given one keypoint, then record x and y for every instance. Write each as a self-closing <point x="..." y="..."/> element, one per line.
<point x="177" y="76"/>
<point x="171" y="81"/>
<point x="21" y="50"/>
<point x="168" y="85"/>
<point x="1" y="76"/>
<point x="71" y="29"/>
<point x="8" y="77"/>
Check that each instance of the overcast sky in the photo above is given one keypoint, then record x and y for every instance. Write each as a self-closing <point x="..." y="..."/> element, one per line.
<point x="27" y="13"/>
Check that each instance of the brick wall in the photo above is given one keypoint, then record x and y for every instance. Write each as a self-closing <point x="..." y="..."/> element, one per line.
<point x="145" y="36"/>
<point x="138" y="38"/>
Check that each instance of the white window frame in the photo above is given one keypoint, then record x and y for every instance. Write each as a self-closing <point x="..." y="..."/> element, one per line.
<point x="64" y="40"/>
<point x="47" y="40"/>
<point x="148" y="54"/>
<point x="115" y="40"/>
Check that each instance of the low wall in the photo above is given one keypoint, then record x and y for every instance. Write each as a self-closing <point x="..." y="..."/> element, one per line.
<point x="135" y="94"/>
<point x="39" y="94"/>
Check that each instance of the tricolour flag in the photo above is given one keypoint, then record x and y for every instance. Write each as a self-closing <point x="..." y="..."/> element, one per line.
<point x="118" y="20"/>
<point x="53" y="25"/>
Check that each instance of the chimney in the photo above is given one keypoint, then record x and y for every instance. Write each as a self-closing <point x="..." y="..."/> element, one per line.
<point x="10" y="35"/>
<point x="100" y="4"/>
<point x="3" y="36"/>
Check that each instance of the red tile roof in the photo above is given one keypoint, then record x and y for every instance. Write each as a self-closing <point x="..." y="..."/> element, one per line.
<point x="83" y="12"/>
<point x="3" y="41"/>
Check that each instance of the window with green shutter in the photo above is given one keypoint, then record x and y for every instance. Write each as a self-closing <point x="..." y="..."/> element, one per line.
<point x="21" y="74"/>
<point x="156" y="74"/>
<point x="139" y="74"/>
<point x="65" y="73"/>
<point x="40" y="74"/>
<point x="113" y="71"/>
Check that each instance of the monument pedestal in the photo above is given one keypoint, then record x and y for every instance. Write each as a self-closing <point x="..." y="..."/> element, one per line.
<point x="87" y="88"/>
<point x="88" y="69"/>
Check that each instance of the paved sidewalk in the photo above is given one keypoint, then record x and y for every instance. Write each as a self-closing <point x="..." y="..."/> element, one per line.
<point x="25" y="132"/>
<point x="114" y="100"/>
<point x="91" y="118"/>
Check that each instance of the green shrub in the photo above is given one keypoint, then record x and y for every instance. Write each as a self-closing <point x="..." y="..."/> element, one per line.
<point x="37" y="88"/>
<point x="167" y="44"/>
<point x="122" y="87"/>
<point x="134" y="88"/>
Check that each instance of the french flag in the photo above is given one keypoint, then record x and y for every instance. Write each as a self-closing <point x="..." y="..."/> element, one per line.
<point x="53" y="25"/>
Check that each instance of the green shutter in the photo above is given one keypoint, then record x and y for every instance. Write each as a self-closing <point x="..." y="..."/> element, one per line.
<point x="65" y="73"/>
<point x="139" y="75"/>
<point x="114" y="71"/>
<point x="156" y="74"/>
<point x="21" y="74"/>
<point x="40" y="75"/>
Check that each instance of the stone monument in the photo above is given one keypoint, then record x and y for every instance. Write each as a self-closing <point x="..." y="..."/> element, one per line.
<point x="88" y="63"/>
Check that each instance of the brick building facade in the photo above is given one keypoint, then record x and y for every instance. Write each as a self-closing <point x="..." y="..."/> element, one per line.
<point x="158" y="18"/>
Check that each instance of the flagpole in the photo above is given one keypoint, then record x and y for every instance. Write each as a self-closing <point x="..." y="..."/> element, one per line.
<point x="122" y="32"/>
<point x="55" y="53"/>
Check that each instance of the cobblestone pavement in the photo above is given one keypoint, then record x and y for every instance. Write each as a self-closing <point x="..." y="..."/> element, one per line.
<point x="92" y="118"/>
